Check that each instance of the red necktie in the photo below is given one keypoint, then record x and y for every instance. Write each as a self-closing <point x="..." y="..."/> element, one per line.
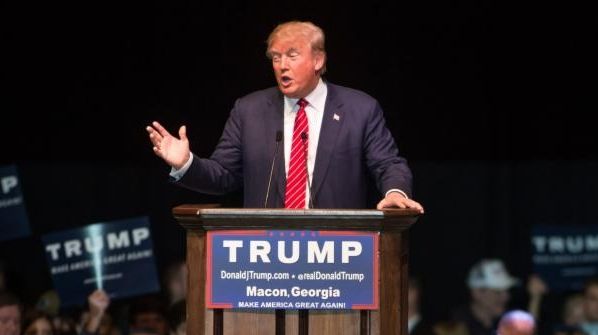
<point x="297" y="176"/>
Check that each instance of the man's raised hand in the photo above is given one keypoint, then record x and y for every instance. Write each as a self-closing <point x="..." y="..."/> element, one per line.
<point x="174" y="151"/>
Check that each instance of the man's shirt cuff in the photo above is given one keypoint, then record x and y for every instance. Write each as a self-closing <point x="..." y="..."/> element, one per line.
<point x="178" y="174"/>
<point x="396" y="190"/>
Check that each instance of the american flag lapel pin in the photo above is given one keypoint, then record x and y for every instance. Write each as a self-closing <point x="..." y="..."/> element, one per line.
<point x="335" y="117"/>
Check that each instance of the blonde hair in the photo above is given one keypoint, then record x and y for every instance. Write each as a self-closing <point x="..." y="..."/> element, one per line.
<point x="306" y="29"/>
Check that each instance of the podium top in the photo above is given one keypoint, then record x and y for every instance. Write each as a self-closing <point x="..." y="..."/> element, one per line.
<point x="210" y="217"/>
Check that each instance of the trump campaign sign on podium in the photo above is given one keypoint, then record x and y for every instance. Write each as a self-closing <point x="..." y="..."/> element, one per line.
<point x="287" y="269"/>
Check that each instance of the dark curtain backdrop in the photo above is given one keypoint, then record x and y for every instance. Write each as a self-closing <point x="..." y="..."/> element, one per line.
<point x="490" y="102"/>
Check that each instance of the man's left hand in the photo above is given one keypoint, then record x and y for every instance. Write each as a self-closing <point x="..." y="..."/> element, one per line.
<point x="397" y="200"/>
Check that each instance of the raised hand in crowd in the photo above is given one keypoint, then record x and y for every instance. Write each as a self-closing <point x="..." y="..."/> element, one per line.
<point x="536" y="289"/>
<point x="98" y="302"/>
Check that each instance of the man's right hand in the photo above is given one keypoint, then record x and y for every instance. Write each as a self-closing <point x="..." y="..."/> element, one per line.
<point x="174" y="151"/>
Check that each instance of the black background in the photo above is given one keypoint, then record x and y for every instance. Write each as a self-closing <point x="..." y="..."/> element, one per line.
<point x="489" y="101"/>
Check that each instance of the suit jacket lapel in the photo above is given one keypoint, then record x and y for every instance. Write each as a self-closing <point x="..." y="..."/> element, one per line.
<point x="331" y="124"/>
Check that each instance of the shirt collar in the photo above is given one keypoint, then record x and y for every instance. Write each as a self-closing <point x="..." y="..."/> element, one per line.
<point x="316" y="99"/>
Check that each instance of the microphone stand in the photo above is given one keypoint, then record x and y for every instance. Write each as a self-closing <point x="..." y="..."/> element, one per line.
<point x="278" y="139"/>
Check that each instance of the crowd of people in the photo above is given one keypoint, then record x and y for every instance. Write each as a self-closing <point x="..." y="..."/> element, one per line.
<point x="489" y="309"/>
<point x="162" y="313"/>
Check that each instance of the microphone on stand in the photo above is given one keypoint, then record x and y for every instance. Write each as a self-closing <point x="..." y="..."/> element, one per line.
<point x="278" y="139"/>
<point x="311" y="200"/>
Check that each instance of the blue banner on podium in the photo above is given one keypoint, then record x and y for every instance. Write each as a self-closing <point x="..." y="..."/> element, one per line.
<point x="117" y="257"/>
<point x="286" y="269"/>
<point x="13" y="216"/>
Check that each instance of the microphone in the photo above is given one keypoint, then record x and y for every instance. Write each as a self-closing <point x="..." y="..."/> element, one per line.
<point x="278" y="139"/>
<point x="311" y="199"/>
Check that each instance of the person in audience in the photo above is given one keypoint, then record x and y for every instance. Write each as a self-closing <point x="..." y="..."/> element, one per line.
<point x="36" y="322"/>
<point x="96" y="320"/>
<point x="489" y="284"/>
<point x="416" y="325"/>
<point x="448" y="327"/>
<point x="573" y="310"/>
<point x="571" y="317"/>
<point x="542" y="303"/>
<point x="10" y="314"/>
<point x="590" y="306"/>
<point x="536" y="289"/>
<point x="49" y="303"/>
<point x="64" y="325"/>
<point x="175" y="282"/>
<point x="516" y="322"/>
<point x="147" y="315"/>
<point x="177" y="318"/>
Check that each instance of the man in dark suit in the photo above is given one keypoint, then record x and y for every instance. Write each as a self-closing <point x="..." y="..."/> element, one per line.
<point x="333" y="139"/>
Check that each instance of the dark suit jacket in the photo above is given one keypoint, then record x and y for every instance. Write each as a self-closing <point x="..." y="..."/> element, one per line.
<point x="352" y="146"/>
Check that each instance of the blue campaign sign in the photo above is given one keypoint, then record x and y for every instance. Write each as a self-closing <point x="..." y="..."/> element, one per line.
<point x="286" y="269"/>
<point x="116" y="256"/>
<point x="565" y="256"/>
<point x="13" y="216"/>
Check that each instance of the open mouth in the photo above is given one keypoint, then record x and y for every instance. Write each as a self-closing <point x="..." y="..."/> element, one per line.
<point x="286" y="80"/>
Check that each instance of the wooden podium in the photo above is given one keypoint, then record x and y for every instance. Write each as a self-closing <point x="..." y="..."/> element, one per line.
<point x="391" y="318"/>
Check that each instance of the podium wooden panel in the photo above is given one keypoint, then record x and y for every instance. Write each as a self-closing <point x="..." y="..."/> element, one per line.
<point x="391" y="318"/>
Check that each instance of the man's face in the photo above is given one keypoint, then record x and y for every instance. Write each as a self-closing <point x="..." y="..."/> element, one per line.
<point x="574" y="313"/>
<point x="591" y="303"/>
<point x="295" y="65"/>
<point x="10" y="320"/>
<point x="41" y="326"/>
<point x="151" y="321"/>
<point x="492" y="301"/>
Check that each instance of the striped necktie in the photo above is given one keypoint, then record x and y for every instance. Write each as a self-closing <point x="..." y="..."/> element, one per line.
<point x="297" y="176"/>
